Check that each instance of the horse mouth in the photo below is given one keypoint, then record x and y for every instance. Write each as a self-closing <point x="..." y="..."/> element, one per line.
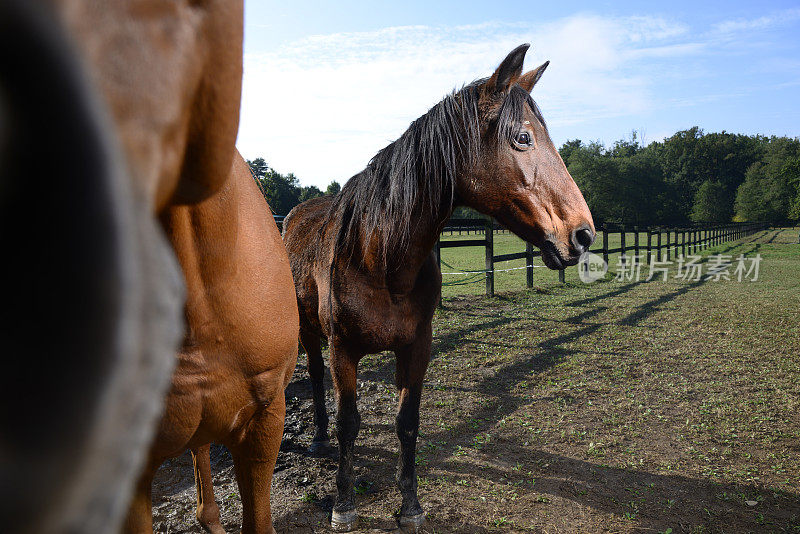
<point x="554" y="259"/>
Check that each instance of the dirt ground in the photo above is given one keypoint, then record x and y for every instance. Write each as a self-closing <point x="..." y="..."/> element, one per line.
<point x="613" y="407"/>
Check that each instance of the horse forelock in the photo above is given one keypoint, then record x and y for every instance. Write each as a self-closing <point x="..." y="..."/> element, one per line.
<point x="511" y="112"/>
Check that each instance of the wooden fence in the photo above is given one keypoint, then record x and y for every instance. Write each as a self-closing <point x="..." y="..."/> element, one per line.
<point x="659" y="242"/>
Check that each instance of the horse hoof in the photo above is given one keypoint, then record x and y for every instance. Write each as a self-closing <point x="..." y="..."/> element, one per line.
<point x="320" y="448"/>
<point x="343" y="521"/>
<point x="412" y="523"/>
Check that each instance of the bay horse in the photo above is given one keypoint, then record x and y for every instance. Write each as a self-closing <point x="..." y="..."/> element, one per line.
<point x="239" y="352"/>
<point x="110" y="114"/>
<point x="362" y="261"/>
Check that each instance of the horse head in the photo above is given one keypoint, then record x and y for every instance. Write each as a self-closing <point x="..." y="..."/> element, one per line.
<point x="517" y="176"/>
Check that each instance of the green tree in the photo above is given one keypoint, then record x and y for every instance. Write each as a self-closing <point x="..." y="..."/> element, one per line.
<point x="569" y="148"/>
<point x="711" y="203"/>
<point x="307" y="193"/>
<point x="792" y="172"/>
<point x="690" y="158"/>
<point x="258" y="167"/>
<point x="333" y="188"/>
<point x="623" y="184"/>
<point x="769" y="191"/>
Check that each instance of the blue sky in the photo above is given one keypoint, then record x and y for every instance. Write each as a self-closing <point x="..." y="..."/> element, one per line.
<point x="327" y="84"/>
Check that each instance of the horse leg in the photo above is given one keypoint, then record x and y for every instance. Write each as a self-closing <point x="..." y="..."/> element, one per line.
<point x="254" y="461"/>
<point x="140" y="512"/>
<point x="412" y="362"/>
<point x="316" y="369"/>
<point x="207" y="509"/>
<point x="344" y="364"/>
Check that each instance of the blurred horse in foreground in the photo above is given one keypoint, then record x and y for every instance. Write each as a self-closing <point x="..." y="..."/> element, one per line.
<point x="111" y="115"/>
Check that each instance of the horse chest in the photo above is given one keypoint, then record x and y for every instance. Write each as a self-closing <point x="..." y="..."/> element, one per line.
<point x="378" y="320"/>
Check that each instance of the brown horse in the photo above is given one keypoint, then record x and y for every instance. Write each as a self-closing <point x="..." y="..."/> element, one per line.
<point x="110" y="113"/>
<point x="240" y="350"/>
<point x="364" y="272"/>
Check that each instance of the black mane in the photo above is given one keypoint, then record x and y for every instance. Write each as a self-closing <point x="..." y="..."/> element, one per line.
<point x="421" y="166"/>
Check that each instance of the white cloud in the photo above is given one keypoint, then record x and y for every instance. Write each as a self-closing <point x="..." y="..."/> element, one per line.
<point x="321" y="107"/>
<point x="760" y="23"/>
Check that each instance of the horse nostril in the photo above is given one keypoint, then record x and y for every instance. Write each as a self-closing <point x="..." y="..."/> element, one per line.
<point x="582" y="239"/>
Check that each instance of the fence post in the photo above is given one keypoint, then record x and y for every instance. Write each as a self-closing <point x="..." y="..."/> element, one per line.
<point x="668" y="249"/>
<point x="649" y="245"/>
<point x="437" y="250"/>
<point x="622" y="257"/>
<point x="636" y="242"/>
<point x="675" y="244"/>
<point x="529" y="263"/>
<point x="489" y="231"/>
<point x="605" y="243"/>
<point x="658" y="244"/>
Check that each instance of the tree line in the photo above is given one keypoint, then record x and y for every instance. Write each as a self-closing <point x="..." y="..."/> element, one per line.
<point x="283" y="191"/>
<point x="691" y="176"/>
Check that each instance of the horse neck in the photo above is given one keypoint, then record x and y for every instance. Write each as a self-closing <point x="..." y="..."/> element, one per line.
<point x="402" y="266"/>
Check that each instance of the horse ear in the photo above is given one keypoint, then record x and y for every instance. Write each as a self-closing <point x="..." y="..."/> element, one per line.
<point x="529" y="79"/>
<point x="508" y="71"/>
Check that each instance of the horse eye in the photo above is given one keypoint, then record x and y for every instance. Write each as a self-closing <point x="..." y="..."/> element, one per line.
<point x="523" y="138"/>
